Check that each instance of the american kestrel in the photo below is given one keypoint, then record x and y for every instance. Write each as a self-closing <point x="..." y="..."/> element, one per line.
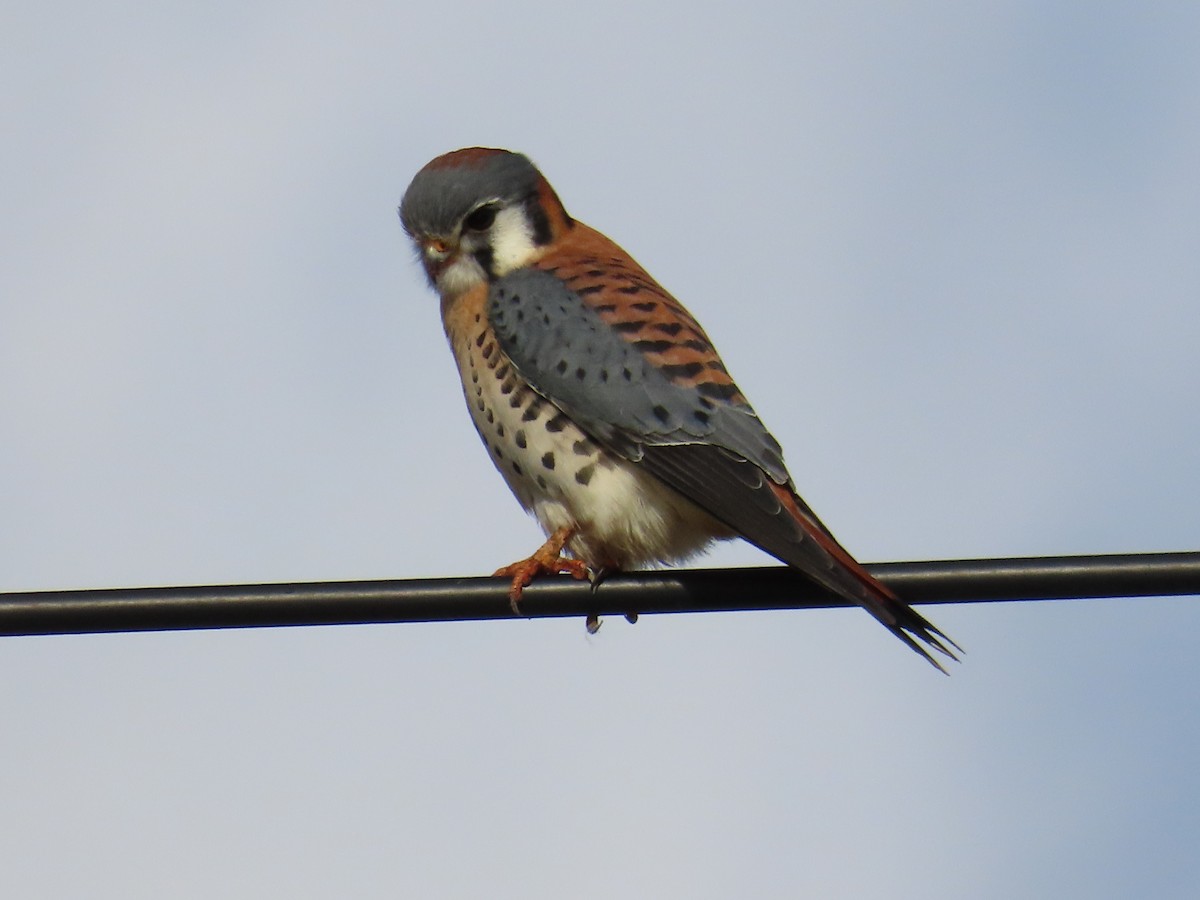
<point x="601" y="400"/>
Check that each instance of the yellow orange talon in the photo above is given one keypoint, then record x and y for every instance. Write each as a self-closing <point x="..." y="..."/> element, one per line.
<point x="546" y="559"/>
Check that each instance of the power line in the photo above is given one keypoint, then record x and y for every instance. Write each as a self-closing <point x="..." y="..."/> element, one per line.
<point x="666" y="591"/>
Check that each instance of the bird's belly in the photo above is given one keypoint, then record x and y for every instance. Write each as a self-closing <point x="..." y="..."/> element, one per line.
<point x="623" y="516"/>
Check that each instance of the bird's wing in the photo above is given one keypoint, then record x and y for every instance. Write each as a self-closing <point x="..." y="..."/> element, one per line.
<point x="632" y="368"/>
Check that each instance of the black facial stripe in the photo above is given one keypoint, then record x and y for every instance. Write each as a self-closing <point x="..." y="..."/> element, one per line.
<point x="486" y="259"/>
<point x="539" y="221"/>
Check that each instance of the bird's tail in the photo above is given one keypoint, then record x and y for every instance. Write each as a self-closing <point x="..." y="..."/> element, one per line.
<point x="847" y="578"/>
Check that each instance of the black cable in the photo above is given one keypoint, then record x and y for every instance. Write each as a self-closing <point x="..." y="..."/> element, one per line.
<point x="666" y="591"/>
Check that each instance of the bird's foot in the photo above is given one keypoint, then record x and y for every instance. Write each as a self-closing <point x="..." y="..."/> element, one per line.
<point x="546" y="559"/>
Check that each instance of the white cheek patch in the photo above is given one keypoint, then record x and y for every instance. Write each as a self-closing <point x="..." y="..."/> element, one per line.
<point x="511" y="240"/>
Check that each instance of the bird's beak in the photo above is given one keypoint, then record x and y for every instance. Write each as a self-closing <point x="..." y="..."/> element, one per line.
<point x="436" y="254"/>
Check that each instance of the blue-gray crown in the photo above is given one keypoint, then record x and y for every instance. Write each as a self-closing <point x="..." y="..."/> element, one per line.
<point x="453" y="185"/>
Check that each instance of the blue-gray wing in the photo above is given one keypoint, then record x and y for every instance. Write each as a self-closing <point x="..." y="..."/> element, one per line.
<point x="597" y="351"/>
<point x="607" y="385"/>
<point x="711" y="448"/>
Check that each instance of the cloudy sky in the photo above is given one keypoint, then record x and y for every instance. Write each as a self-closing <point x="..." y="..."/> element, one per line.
<point x="949" y="253"/>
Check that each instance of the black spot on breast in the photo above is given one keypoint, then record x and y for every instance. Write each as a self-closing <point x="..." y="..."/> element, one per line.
<point x="548" y="460"/>
<point x="518" y="398"/>
<point x="491" y="417"/>
<point x="502" y="370"/>
<point x="584" y="475"/>
<point x="517" y="469"/>
<point x="480" y="339"/>
<point x="582" y="447"/>
<point x="500" y="429"/>
<point x="519" y="437"/>
<point x="508" y="385"/>
<point x="489" y="350"/>
<point x="541" y="482"/>
<point x="558" y="423"/>
<point x="532" y="411"/>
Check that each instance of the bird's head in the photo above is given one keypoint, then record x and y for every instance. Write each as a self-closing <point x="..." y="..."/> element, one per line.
<point x="477" y="214"/>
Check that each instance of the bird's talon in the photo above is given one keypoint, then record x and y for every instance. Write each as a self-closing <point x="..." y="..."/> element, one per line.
<point x="546" y="559"/>
<point x="598" y="576"/>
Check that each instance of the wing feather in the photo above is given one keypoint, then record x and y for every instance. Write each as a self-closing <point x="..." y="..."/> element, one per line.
<point x="709" y="445"/>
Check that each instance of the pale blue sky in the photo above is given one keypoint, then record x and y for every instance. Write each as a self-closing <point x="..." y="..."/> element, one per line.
<point x="951" y="255"/>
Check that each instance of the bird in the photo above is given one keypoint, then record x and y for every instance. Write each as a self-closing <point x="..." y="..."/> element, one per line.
<point x="602" y="401"/>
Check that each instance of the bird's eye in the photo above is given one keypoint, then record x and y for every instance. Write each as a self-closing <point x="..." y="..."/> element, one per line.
<point x="481" y="219"/>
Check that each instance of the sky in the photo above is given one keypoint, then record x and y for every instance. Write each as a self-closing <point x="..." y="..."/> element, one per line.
<point x="948" y="251"/>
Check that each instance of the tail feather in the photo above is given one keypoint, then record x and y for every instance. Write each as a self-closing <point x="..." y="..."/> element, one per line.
<point x="847" y="578"/>
<point x="909" y="623"/>
<point x="746" y="498"/>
